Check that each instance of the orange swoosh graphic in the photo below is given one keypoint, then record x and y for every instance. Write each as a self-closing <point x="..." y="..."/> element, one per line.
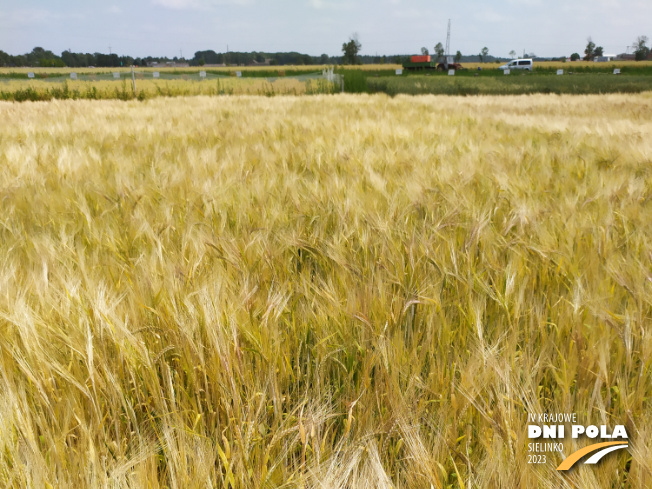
<point x="574" y="457"/>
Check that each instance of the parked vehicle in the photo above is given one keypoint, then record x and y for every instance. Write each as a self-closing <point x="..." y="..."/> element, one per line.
<point x="518" y="64"/>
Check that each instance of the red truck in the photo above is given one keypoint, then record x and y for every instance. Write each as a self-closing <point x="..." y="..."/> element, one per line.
<point x="426" y="62"/>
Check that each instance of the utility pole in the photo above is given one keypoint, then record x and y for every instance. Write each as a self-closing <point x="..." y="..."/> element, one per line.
<point x="110" y="53"/>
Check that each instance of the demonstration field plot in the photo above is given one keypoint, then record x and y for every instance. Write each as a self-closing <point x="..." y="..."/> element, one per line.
<point x="171" y="70"/>
<point x="323" y="291"/>
<point x="514" y="84"/>
<point x="107" y="87"/>
<point x="116" y="83"/>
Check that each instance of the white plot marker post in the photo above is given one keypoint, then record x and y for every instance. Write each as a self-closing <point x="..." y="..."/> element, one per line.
<point x="560" y="72"/>
<point x="202" y="74"/>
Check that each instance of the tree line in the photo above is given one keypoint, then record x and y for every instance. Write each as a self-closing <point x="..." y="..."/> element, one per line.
<point x="592" y="51"/>
<point x="40" y="57"/>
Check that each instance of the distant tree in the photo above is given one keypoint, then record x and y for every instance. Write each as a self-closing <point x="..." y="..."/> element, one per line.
<point x="599" y="51"/>
<point x="425" y="52"/>
<point x="589" y="51"/>
<point x="483" y="54"/>
<point x="41" y="57"/>
<point x="323" y="59"/>
<point x="351" y="50"/>
<point x="641" y="51"/>
<point x="458" y="56"/>
<point x="209" y="57"/>
<point x="439" y="50"/>
<point x="575" y="56"/>
<point x="512" y="54"/>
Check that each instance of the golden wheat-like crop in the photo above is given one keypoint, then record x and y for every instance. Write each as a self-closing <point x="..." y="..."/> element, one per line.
<point x="165" y="69"/>
<point x="146" y="88"/>
<point x="328" y="291"/>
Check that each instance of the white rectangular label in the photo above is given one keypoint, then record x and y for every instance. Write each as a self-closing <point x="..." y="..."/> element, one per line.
<point x="238" y="74"/>
<point x="116" y="74"/>
<point x="30" y="75"/>
<point x="560" y="72"/>
<point x="507" y="72"/>
<point x="451" y="72"/>
<point x="202" y="74"/>
<point x="616" y="71"/>
<point x="156" y="74"/>
<point x="399" y="72"/>
<point x="73" y="76"/>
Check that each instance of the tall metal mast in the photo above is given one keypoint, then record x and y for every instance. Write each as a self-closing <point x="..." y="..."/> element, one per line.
<point x="448" y="40"/>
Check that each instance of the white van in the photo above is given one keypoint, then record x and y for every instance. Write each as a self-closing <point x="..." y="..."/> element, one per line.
<point x="518" y="64"/>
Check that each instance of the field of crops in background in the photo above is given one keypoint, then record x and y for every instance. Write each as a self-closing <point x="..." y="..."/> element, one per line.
<point x="23" y="90"/>
<point x="230" y="70"/>
<point x="351" y="291"/>
<point x="544" y="65"/>
<point x="513" y="84"/>
<point x="588" y="78"/>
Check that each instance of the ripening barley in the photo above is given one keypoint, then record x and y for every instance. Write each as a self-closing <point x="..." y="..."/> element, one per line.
<point x="327" y="291"/>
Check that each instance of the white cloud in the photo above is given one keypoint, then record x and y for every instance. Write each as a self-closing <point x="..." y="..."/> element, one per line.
<point x="331" y="5"/>
<point x="491" y="16"/>
<point x="176" y="4"/>
<point x="528" y="3"/>
<point x="198" y="4"/>
<point x="35" y="16"/>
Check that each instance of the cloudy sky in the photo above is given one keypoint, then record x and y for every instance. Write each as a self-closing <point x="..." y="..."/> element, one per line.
<point x="171" y="27"/>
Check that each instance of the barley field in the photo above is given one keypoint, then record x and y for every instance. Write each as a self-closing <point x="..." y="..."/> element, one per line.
<point x="44" y="90"/>
<point x="227" y="70"/>
<point x="347" y="291"/>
